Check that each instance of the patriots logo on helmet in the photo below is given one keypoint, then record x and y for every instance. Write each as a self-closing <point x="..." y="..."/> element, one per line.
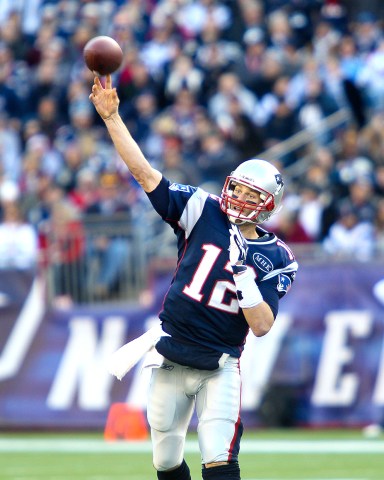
<point x="279" y="179"/>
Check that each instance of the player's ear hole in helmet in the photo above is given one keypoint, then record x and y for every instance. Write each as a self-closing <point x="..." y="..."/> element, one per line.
<point x="261" y="177"/>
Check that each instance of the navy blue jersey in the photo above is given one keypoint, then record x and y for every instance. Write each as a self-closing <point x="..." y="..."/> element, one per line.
<point x="200" y="309"/>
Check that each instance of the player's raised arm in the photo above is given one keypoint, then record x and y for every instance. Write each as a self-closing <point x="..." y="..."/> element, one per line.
<point x="106" y="102"/>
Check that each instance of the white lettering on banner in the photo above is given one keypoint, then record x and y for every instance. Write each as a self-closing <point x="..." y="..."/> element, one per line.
<point x="332" y="387"/>
<point x="378" y="393"/>
<point x="258" y="360"/>
<point x="82" y="377"/>
<point x="82" y="364"/>
<point x="23" y="331"/>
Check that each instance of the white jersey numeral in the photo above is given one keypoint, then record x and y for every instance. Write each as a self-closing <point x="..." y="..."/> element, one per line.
<point x="216" y="299"/>
<point x="203" y="270"/>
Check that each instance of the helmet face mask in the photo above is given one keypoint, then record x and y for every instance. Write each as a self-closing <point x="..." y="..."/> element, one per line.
<point x="260" y="177"/>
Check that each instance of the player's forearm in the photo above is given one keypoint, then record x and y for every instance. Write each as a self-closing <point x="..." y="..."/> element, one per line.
<point x="130" y="152"/>
<point x="259" y="318"/>
<point x="257" y="312"/>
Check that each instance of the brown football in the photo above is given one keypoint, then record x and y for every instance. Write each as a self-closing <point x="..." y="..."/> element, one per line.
<point x="102" y="55"/>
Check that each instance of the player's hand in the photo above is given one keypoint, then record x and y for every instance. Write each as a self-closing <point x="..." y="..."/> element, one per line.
<point x="105" y="99"/>
<point x="238" y="248"/>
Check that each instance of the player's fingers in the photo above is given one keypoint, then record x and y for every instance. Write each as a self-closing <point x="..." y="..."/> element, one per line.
<point x="94" y="92"/>
<point x="93" y="99"/>
<point x="97" y="82"/>
<point x="108" y="81"/>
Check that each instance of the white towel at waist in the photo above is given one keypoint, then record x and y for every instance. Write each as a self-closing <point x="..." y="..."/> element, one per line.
<point x="129" y="354"/>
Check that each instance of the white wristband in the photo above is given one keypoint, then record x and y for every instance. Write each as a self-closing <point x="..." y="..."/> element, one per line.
<point x="248" y="293"/>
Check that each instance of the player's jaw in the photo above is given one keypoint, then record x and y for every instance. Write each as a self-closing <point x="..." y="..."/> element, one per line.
<point x="240" y="209"/>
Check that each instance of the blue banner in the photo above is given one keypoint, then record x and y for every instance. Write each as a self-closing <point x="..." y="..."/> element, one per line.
<point x="321" y="365"/>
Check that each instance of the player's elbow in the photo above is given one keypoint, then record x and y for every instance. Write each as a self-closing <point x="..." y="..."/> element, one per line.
<point x="260" y="319"/>
<point x="261" y="330"/>
<point x="148" y="178"/>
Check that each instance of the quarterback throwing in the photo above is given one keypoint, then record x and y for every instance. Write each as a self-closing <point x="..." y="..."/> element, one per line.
<point x="230" y="276"/>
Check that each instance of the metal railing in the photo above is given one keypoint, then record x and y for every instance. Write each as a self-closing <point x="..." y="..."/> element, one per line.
<point x="102" y="261"/>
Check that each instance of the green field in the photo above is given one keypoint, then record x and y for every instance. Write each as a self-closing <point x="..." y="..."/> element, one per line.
<point x="265" y="455"/>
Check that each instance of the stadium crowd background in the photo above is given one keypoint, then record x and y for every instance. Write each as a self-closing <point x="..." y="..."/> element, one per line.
<point x="204" y="85"/>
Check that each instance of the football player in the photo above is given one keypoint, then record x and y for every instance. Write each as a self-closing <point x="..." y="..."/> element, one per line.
<point x="229" y="278"/>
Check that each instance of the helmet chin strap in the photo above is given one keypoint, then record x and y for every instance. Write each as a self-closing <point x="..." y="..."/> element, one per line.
<point x="237" y="221"/>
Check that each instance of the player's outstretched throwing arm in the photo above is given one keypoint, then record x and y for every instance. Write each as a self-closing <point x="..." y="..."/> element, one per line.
<point x="106" y="102"/>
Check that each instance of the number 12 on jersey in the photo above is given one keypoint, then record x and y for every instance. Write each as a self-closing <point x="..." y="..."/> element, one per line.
<point x="216" y="297"/>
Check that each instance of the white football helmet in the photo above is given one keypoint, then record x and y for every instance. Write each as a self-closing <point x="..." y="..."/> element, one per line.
<point x="260" y="176"/>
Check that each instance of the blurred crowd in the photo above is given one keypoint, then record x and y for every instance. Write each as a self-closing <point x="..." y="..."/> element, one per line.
<point x="204" y="85"/>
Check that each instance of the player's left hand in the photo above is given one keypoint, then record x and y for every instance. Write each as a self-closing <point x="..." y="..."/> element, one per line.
<point x="238" y="247"/>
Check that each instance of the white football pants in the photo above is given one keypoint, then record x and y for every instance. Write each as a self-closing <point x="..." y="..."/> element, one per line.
<point x="173" y="393"/>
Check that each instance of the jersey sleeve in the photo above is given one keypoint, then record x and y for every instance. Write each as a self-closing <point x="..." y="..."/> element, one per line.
<point x="159" y="197"/>
<point x="275" y="287"/>
<point x="270" y="295"/>
<point x="276" y="273"/>
<point x="176" y="202"/>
